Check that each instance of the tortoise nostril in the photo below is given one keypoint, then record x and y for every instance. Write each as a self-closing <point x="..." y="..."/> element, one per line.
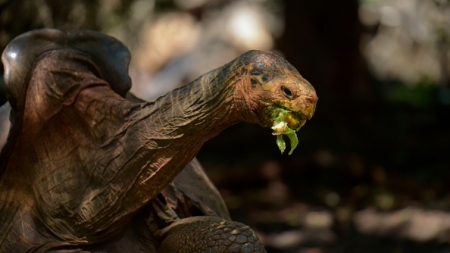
<point x="311" y="99"/>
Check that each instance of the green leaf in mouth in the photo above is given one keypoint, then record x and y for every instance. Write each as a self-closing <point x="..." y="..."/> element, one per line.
<point x="281" y="128"/>
<point x="286" y="131"/>
<point x="281" y="143"/>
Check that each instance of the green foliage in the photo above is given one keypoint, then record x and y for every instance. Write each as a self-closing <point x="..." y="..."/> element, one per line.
<point x="281" y="128"/>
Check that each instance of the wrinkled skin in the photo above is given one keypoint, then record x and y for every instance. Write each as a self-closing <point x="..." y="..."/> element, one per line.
<point x="88" y="168"/>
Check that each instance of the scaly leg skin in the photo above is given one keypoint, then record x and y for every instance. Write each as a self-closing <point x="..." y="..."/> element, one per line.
<point x="209" y="234"/>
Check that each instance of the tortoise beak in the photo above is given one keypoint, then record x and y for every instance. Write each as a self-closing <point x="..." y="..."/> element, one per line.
<point x="304" y="107"/>
<point x="301" y="110"/>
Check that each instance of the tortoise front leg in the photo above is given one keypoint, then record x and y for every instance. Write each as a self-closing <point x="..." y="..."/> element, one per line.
<point x="209" y="234"/>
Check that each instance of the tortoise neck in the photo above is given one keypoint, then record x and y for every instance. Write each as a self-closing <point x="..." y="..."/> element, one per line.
<point x="204" y="107"/>
<point x="179" y="123"/>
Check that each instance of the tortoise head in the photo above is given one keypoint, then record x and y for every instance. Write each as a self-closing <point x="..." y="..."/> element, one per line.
<point x="274" y="94"/>
<point x="274" y="89"/>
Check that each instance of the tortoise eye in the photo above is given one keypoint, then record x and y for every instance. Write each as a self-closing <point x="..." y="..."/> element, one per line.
<point x="287" y="92"/>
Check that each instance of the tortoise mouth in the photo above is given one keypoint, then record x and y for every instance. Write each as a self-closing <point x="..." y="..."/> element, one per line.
<point x="294" y="120"/>
<point x="286" y="122"/>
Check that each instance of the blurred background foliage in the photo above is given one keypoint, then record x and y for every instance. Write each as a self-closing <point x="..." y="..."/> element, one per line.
<point x="372" y="171"/>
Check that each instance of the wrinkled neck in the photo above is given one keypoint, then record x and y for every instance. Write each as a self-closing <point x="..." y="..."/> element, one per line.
<point x="178" y="124"/>
<point x="202" y="108"/>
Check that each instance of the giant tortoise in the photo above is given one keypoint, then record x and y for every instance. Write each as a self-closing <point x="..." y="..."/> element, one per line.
<point x="88" y="167"/>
